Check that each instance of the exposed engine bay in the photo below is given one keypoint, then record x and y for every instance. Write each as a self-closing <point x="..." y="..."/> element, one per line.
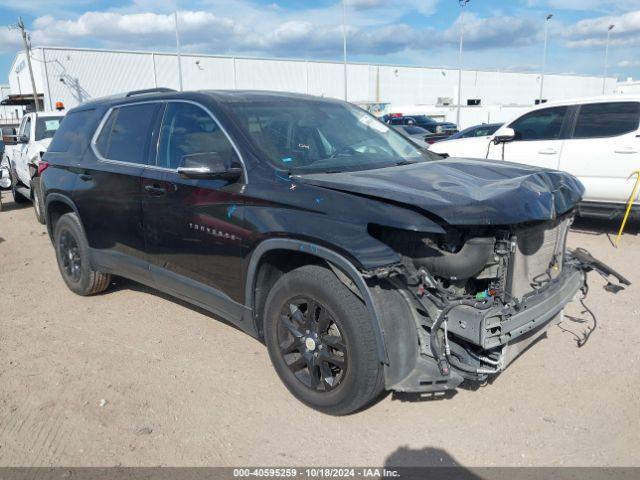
<point x="484" y="294"/>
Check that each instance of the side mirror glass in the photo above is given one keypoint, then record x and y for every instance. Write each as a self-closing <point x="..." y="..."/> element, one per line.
<point x="208" y="165"/>
<point x="504" y="135"/>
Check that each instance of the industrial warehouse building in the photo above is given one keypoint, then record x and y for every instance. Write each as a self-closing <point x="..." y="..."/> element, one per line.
<point x="73" y="75"/>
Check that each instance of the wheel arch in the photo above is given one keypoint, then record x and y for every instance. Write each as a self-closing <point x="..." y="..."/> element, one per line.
<point x="55" y="206"/>
<point x="315" y="253"/>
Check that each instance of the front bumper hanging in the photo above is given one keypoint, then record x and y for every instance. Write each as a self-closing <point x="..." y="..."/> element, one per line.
<point x="498" y="333"/>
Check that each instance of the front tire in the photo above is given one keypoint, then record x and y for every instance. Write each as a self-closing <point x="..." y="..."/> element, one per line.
<point x="72" y="254"/>
<point x="321" y="341"/>
<point x="38" y="202"/>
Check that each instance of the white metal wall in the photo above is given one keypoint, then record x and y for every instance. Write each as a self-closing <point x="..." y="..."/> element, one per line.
<point x="74" y="75"/>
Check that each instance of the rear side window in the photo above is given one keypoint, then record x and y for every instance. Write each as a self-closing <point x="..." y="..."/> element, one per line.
<point x="607" y="119"/>
<point x="74" y="133"/>
<point x="125" y="134"/>
<point x="545" y="124"/>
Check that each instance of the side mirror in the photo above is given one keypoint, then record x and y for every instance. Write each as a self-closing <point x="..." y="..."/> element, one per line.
<point x="504" y="135"/>
<point x="208" y="165"/>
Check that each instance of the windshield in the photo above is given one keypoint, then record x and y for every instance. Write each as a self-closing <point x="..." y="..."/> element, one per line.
<point x="318" y="136"/>
<point x="46" y="127"/>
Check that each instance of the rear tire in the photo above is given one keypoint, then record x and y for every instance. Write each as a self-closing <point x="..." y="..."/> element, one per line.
<point x="322" y="342"/>
<point x="38" y="201"/>
<point x="72" y="254"/>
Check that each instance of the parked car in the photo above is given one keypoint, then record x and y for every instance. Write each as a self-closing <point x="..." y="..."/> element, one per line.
<point x="362" y="261"/>
<point x="437" y="130"/>
<point x="415" y="133"/>
<point x="484" y="130"/>
<point x="595" y="139"/>
<point x="33" y="137"/>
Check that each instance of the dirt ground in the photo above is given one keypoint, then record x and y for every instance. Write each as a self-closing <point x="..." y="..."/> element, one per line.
<point x="133" y="377"/>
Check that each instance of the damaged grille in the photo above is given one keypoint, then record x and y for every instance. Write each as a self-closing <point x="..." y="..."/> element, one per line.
<point x="537" y="257"/>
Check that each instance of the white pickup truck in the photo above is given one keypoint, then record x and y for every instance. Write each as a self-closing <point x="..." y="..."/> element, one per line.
<point x="32" y="140"/>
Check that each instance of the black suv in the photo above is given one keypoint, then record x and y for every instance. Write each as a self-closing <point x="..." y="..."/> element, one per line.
<point x="362" y="261"/>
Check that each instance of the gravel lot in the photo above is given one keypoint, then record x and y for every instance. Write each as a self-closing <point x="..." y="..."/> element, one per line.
<point x="133" y="377"/>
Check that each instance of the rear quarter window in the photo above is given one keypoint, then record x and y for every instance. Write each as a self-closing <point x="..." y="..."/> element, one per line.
<point x="597" y="120"/>
<point x="74" y="134"/>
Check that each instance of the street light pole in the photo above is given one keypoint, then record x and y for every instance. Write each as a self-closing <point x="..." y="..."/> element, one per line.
<point x="462" y="5"/>
<point x="344" y="45"/>
<point x="544" y="55"/>
<point x="606" y="58"/>
<point x="175" y="17"/>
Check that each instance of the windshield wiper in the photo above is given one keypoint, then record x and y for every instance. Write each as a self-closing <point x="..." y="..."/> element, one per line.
<point x="405" y="162"/>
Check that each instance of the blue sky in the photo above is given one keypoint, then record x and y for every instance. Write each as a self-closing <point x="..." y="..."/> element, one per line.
<point x="499" y="34"/>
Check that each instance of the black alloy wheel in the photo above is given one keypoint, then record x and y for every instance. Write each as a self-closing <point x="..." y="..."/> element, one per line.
<point x="70" y="256"/>
<point x="312" y="344"/>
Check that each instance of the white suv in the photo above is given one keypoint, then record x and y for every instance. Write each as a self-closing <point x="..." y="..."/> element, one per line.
<point x="595" y="139"/>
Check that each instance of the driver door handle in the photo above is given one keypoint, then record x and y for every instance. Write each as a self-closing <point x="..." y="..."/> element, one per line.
<point x="625" y="150"/>
<point x="155" y="190"/>
<point x="548" y="151"/>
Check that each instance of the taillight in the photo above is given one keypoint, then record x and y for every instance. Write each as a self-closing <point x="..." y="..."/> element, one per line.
<point x="42" y="166"/>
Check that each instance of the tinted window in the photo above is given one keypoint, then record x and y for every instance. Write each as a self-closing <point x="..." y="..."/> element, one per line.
<point x="74" y="133"/>
<point x="46" y="126"/>
<point x="186" y="130"/>
<point x="482" y="131"/>
<point x="607" y="119"/>
<point x="544" y="124"/>
<point x="125" y="133"/>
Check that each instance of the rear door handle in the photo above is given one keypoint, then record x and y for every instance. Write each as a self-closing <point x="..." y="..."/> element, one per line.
<point x="155" y="190"/>
<point x="626" y="150"/>
<point x="85" y="176"/>
<point x="548" y="151"/>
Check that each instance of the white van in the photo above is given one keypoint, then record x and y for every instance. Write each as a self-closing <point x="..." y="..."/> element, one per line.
<point x="595" y="139"/>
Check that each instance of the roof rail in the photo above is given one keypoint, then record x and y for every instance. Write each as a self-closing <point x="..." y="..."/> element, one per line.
<point x="149" y="90"/>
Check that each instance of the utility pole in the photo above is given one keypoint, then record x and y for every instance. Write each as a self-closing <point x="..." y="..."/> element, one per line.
<point x="462" y="3"/>
<point x="544" y="55"/>
<point x="344" y="45"/>
<point x="175" y="17"/>
<point x="606" y="58"/>
<point x="26" y="38"/>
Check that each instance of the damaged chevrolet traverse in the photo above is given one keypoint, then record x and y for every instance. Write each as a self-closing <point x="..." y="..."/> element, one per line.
<point x="363" y="262"/>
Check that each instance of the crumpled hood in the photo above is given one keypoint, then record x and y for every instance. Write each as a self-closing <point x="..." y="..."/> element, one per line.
<point x="464" y="191"/>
